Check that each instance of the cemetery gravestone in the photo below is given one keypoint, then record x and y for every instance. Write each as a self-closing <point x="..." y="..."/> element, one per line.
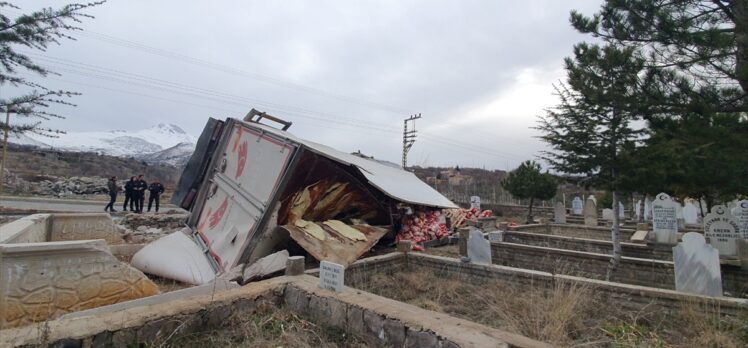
<point x="559" y="213"/>
<point x="679" y="216"/>
<point x="331" y="276"/>
<point x="621" y="211"/>
<point x="576" y="206"/>
<point x="722" y="230"/>
<point x="697" y="268"/>
<point x="690" y="213"/>
<point x="590" y="212"/>
<point x="647" y="210"/>
<point x="637" y="209"/>
<point x="592" y="197"/>
<point x="741" y="214"/>
<point x="478" y="248"/>
<point x="497" y="236"/>
<point x="608" y="214"/>
<point x="664" y="219"/>
<point x="475" y="202"/>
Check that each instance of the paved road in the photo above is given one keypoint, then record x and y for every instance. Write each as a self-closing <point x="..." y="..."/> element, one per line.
<point x="60" y="205"/>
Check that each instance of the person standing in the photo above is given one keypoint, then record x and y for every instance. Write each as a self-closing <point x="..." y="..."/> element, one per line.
<point x="155" y="190"/>
<point x="129" y="194"/>
<point x="113" y="188"/>
<point x="139" y="193"/>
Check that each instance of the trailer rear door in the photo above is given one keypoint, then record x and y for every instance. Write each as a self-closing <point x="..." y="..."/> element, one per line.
<point x="242" y="188"/>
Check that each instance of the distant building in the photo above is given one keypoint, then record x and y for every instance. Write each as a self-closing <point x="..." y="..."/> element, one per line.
<point x="452" y="176"/>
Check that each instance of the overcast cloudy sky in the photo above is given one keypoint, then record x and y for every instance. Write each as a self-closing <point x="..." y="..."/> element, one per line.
<point x="344" y="72"/>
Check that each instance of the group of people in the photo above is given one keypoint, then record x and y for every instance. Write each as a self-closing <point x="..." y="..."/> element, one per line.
<point x="135" y="194"/>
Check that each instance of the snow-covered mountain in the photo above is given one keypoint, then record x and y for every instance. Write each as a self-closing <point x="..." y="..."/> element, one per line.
<point x="162" y="143"/>
<point x="177" y="155"/>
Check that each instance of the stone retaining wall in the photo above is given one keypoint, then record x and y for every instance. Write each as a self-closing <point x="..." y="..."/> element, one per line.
<point x="644" y="272"/>
<point x="29" y="229"/>
<point x="38" y="228"/>
<point x="39" y="281"/>
<point x="642" y="251"/>
<point x="577" y="231"/>
<point x="78" y="226"/>
<point x="632" y="297"/>
<point x="378" y="320"/>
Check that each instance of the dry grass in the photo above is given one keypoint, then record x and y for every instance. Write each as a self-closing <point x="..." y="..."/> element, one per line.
<point x="566" y="315"/>
<point x="555" y="316"/>
<point x="168" y="285"/>
<point x="270" y="326"/>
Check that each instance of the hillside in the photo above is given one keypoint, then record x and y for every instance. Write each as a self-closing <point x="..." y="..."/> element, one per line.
<point x="35" y="165"/>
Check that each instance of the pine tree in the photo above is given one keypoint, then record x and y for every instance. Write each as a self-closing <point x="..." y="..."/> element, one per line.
<point x="698" y="49"/>
<point x="35" y="31"/>
<point x="527" y="182"/>
<point x="590" y="131"/>
<point x="695" y="58"/>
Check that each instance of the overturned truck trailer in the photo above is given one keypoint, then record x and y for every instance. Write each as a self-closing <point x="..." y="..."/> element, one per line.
<point x="254" y="189"/>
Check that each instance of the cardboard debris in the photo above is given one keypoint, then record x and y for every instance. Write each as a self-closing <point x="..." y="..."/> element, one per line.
<point x="334" y="247"/>
<point x="345" y="230"/>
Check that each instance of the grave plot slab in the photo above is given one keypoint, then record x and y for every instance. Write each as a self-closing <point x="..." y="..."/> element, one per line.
<point x="519" y="299"/>
<point x="253" y="315"/>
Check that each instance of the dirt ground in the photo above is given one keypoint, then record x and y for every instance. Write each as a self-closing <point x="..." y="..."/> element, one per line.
<point x="566" y="316"/>
<point x="269" y="327"/>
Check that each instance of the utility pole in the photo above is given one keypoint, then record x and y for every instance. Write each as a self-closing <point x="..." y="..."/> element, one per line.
<point x="409" y="136"/>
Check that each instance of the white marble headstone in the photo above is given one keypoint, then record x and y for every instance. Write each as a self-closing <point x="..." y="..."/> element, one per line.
<point x="478" y="248"/>
<point x="497" y="236"/>
<point x="679" y="216"/>
<point x="621" y="210"/>
<point x="691" y="213"/>
<point x="559" y="213"/>
<point x="697" y="268"/>
<point x="608" y="214"/>
<point x="592" y="197"/>
<point x="590" y="212"/>
<point x="664" y="219"/>
<point x="741" y="214"/>
<point x="576" y="206"/>
<point x="331" y="276"/>
<point x="637" y="209"/>
<point x="722" y="230"/>
<point x="647" y="210"/>
<point x="475" y="202"/>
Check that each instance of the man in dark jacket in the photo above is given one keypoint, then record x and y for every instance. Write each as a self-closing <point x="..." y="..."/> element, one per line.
<point x="155" y="190"/>
<point x="138" y="190"/>
<point x="128" y="194"/>
<point x="113" y="188"/>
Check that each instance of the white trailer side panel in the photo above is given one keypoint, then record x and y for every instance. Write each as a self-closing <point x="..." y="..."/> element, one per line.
<point x="243" y="185"/>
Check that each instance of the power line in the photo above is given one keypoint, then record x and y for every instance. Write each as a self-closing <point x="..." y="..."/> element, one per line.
<point x="236" y="71"/>
<point x="92" y="71"/>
